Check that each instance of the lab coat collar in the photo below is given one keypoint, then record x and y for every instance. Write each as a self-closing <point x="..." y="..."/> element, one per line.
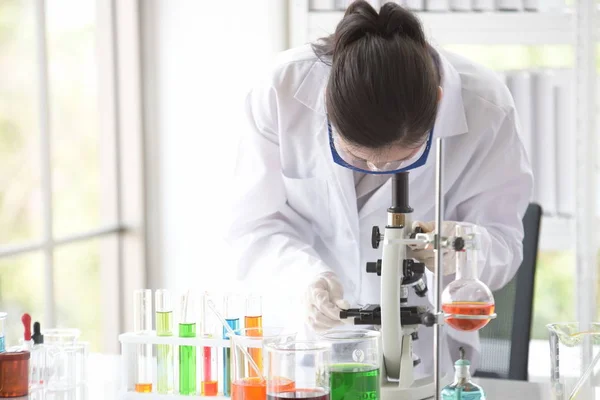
<point x="451" y="119"/>
<point x="311" y="91"/>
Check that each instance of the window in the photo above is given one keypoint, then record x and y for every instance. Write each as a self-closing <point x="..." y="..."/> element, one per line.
<point x="70" y="179"/>
<point x="555" y="292"/>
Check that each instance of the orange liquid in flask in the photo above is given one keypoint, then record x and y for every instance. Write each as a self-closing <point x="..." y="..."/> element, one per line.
<point x="256" y="354"/>
<point x="256" y="388"/>
<point x="468" y="308"/>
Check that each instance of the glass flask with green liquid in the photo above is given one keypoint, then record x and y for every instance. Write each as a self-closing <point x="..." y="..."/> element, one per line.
<point x="354" y="371"/>
<point x="462" y="388"/>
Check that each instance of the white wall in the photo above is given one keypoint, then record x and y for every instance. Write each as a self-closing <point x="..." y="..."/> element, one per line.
<point x="200" y="58"/>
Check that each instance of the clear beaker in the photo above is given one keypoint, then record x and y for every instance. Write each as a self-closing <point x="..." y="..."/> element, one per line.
<point x="61" y="336"/>
<point x="574" y="358"/>
<point x="305" y="363"/>
<point x="355" y="363"/>
<point x="2" y="321"/>
<point x="68" y="366"/>
<point x="246" y="383"/>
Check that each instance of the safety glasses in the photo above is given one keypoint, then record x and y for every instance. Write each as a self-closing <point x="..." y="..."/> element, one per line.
<point x="345" y="159"/>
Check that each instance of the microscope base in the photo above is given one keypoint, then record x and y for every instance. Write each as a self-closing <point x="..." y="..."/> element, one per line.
<point x="421" y="389"/>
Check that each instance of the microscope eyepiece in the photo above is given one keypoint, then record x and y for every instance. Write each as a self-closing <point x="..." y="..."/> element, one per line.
<point x="400" y="194"/>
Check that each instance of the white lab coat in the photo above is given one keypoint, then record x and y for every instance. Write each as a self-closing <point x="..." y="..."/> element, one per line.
<point x="295" y="213"/>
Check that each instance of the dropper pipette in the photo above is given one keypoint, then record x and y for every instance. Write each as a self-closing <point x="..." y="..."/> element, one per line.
<point x="232" y="333"/>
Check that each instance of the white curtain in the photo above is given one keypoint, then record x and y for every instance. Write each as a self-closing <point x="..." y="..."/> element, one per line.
<point x="201" y="58"/>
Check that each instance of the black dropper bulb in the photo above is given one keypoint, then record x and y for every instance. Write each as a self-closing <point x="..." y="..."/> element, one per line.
<point x="37" y="336"/>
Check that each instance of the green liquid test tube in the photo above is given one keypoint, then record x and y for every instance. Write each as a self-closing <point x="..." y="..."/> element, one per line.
<point x="164" y="352"/>
<point x="187" y="354"/>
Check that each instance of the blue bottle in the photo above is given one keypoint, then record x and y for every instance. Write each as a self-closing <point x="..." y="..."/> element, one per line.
<point x="462" y="388"/>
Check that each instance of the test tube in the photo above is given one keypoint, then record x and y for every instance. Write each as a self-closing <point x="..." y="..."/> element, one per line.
<point x="163" y="304"/>
<point x="355" y="364"/>
<point x="187" y="354"/>
<point x="210" y="381"/>
<point x="231" y="313"/>
<point x="142" y="324"/>
<point x="2" y="321"/>
<point x="253" y="319"/>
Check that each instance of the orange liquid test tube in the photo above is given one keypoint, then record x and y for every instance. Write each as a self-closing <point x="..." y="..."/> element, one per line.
<point x="142" y="325"/>
<point x="210" y="381"/>
<point x="253" y="319"/>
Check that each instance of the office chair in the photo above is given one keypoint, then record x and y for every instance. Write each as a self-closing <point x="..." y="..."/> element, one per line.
<point x="505" y="340"/>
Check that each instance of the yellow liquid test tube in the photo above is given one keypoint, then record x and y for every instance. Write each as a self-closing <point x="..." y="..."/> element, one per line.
<point x="164" y="352"/>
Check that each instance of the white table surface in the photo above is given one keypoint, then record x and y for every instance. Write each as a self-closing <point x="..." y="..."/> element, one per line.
<point x="105" y="372"/>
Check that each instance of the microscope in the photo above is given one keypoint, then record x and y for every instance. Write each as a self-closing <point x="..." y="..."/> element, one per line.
<point x="400" y="274"/>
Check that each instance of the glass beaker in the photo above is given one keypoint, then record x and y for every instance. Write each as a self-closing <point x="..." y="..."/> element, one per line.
<point x="574" y="358"/>
<point x="306" y="363"/>
<point x="355" y="363"/>
<point x="2" y="321"/>
<point x="246" y="383"/>
<point x="468" y="303"/>
<point x="61" y="336"/>
<point x="68" y="365"/>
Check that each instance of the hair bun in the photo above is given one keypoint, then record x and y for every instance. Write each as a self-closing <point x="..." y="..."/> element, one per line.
<point x="395" y="20"/>
<point x="361" y="20"/>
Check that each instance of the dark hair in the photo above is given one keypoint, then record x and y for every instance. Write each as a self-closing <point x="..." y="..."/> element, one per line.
<point x="383" y="87"/>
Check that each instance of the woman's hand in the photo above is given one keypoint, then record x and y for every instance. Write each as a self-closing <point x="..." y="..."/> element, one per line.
<point x="323" y="301"/>
<point x="426" y="255"/>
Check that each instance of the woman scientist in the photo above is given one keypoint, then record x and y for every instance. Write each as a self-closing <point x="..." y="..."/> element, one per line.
<point x="324" y="126"/>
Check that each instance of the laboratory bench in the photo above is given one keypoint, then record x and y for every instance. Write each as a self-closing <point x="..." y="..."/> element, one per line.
<point x="104" y="376"/>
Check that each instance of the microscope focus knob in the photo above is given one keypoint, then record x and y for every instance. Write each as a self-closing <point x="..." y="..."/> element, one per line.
<point x="376" y="237"/>
<point x="428" y="319"/>
<point x="374" y="267"/>
<point x="459" y="244"/>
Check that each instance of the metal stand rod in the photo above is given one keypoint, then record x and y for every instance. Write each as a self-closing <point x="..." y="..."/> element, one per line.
<point x="586" y="233"/>
<point x="439" y="206"/>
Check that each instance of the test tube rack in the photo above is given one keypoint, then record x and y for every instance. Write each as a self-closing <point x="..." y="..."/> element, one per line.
<point x="129" y="345"/>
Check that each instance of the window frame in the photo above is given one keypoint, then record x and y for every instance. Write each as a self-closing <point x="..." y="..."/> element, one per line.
<point x="120" y="116"/>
